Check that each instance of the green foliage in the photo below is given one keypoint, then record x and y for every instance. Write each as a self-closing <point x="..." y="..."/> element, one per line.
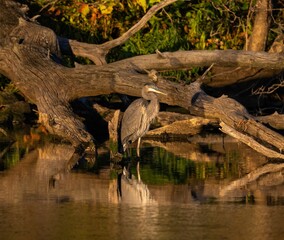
<point x="185" y="25"/>
<point x="217" y="24"/>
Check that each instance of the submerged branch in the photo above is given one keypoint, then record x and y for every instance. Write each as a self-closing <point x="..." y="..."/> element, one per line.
<point x="248" y="140"/>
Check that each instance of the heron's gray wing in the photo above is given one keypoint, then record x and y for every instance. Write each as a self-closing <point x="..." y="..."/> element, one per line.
<point x="134" y="121"/>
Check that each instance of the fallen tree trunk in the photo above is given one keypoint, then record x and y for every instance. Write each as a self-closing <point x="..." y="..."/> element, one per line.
<point x="30" y="57"/>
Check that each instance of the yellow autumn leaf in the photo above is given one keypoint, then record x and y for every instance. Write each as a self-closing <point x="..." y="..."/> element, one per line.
<point x="84" y="9"/>
<point x="143" y="4"/>
<point x="151" y="2"/>
<point x="105" y="10"/>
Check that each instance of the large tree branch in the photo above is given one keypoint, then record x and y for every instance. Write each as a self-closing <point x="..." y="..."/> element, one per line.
<point x="97" y="53"/>
<point x="203" y="58"/>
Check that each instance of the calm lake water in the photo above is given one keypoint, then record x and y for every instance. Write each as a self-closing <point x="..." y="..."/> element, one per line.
<point x="209" y="187"/>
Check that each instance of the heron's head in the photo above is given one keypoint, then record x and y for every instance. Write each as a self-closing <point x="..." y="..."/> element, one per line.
<point x="151" y="88"/>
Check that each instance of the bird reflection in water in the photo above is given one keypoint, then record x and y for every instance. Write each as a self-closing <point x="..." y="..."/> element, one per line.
<point x="133" y="191"/>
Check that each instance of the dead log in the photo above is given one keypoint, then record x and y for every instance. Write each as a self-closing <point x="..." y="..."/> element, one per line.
<point x="182" y="128"/>
<point x="275" y="120"/>
<point x="114" y="136"/>
<point x="30" y="58"/>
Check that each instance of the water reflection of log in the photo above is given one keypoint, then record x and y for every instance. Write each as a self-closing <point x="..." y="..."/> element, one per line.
<point x="211" y="148"/>
<point x="259" y="179"/>
<point x="185" y="150"/>
<point x="29" y="180"/>
<point x="231" y="149"/>
<point x="267" y="175"/>
<point x="31" y="174"/>
<point x="212" y="190"/>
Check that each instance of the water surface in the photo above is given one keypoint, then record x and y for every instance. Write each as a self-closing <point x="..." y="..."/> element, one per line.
<point x="207" y="188"/>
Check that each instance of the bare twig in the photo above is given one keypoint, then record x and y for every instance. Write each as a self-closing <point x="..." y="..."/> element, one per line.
<point x="51" y="2"/>
<point x="152" y="11"/>
<point x="269" y="90"/>
<point x="162" y="55"/>
<point x="3" y="132"/>
<point x="205" y="73"/>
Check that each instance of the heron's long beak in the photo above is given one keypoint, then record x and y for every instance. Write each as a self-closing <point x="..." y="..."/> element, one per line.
<point x="155" y="90"/>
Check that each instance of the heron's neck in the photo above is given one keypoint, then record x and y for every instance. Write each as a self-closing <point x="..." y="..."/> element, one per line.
<point x="149" y="96"/>
<point x="154" y="106"/>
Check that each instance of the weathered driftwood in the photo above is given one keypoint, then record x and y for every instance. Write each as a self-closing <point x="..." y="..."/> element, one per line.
<point x="114" y="136"/>
<point x="275" y="120"/>
<point x="166" y="123"/>
<point x="30" y="57"/>
<point x="250" y="141"/>
<point x="182" y="128"/>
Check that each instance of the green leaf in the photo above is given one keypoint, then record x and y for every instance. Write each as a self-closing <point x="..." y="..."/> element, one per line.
<point x="245" y="6"/>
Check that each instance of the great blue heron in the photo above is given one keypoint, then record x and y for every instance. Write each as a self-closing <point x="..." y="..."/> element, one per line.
<point x="139" y="115"/>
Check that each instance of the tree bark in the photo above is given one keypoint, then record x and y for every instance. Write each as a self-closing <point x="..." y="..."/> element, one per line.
<point x="257" y="41"/>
